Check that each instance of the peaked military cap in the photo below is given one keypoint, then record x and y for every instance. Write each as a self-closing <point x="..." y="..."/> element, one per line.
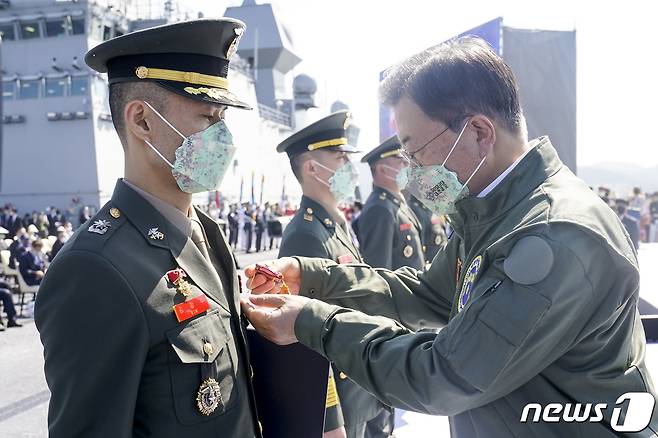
<point x="329" y="133"/>
<point x="390" y="148"/>
<point x="190" y="58"/>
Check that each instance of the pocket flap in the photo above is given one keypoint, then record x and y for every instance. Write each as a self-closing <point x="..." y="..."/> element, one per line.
<point x="199" y="341"/>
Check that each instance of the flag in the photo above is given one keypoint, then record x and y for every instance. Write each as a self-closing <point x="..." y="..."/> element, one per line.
<point x="262" y="187"/>
<point x="253" y="196"/>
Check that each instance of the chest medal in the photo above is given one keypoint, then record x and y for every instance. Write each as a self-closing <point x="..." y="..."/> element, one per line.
<point x="208" y="397"/>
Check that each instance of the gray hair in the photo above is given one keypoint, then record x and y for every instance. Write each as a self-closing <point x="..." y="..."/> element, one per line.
<point x="460" y="77"/>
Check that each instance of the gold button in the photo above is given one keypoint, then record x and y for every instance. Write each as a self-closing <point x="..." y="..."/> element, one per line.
<point x="309" y="210"/>
<point x="342" y="375"/>
<point x="115" y="213"/>
<point x="208" y="348"/>
<point x="142" y="72"/>
<point x="327" y="222"/>
<point x="408" y="237"/>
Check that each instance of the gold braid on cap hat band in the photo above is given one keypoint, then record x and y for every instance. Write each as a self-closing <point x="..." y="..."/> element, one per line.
<point x="390" y="153"/>
<point x="181" y="76"/>
<point x="327" y="143"/>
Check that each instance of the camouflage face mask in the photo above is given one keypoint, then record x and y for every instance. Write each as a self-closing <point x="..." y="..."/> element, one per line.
<point x="436" y="186"/>
<point x="202" y="159"/>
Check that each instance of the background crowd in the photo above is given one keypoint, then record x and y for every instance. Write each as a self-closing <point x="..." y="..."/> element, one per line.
<point x="30" y="241"/>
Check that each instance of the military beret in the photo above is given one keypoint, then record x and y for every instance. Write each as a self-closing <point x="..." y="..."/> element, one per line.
<point x="190" y="58"/>
<point x="328" y="133"/>
<point x="390" y="148"/>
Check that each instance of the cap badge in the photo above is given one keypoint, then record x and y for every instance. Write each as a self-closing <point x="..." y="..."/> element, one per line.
<point x="234" y="45"/>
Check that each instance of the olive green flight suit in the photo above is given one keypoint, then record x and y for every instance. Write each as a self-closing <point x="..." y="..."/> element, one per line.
<point x="389" y="232"/>
<point x="313" y="233"/>
<point x="538" y="291"/>
<point x="117" y="361"/>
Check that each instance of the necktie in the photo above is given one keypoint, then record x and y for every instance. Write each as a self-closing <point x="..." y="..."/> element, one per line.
<point x="199" y="239"/>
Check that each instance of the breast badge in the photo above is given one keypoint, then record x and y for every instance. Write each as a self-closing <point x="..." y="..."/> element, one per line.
<point x="208" y="397"/>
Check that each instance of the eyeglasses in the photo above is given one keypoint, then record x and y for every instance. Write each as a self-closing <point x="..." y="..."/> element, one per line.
<point x="410" y="158"/>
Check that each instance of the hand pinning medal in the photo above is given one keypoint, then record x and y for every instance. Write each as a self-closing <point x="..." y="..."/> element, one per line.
<point x="272" y="275"/>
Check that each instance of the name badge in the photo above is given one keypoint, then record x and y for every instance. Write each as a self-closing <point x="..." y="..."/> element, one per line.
<point x="191" y="308"/>
<point x="344" y="259"/>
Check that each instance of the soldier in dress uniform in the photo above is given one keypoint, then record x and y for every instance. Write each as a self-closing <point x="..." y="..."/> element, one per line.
<point x="434" y="235"/>
<point x="139" y="313"/>
<point x="389" y="231"/>
<point x="320" y="159"/>
<point x="536" y="290"/>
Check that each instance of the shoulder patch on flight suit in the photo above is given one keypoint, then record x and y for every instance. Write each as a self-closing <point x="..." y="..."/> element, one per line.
<point x="530" y="261"/>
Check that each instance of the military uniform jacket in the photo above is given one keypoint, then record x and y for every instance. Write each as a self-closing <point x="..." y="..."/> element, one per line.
<point x="433" y="235"/>
<point x="389" y="232"/>
<point x="313" y="233"/>
<point x="538" y="286"/>
<point x="117" y="361"/>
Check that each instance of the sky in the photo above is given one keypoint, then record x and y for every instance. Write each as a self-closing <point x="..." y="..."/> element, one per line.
<point x="346" y="43"/>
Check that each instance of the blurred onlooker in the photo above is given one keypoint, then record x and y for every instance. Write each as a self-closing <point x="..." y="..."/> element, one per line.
<point x="653" y="213"/>
<point x="259" y="227"/>
<point x="631" y="224"/>
<point x="62" y="238"/>
<point x="248" y="228"/>
<point x="604" y="194"/>
<point x="32" y="264"/>
<point x="18" y="246"/>
<point x="637" y="199"/>
<point x="85" y="215"/>
<point x="233" y="226"/>
<point x="12" y="222"/>
<point x="8" y="305"/>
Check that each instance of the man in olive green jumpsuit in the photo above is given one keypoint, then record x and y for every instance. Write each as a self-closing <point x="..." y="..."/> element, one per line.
<point x="319" y="229"/>
<point x="139" y="313"/>
<point x="389" y="232"/>
<point x="433" y="233"/>
<point x="537" y="286"/>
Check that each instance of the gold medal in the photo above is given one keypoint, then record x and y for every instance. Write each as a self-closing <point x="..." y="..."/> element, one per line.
<point x="408" y="251"/>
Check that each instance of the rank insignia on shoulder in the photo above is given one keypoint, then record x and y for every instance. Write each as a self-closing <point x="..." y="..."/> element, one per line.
<point x="308" y="217"/>
<point x="209" y="396"/>
<point x="155" y="234"/>
<point x="469" y="282"/>
<point x="99" y="227"/>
